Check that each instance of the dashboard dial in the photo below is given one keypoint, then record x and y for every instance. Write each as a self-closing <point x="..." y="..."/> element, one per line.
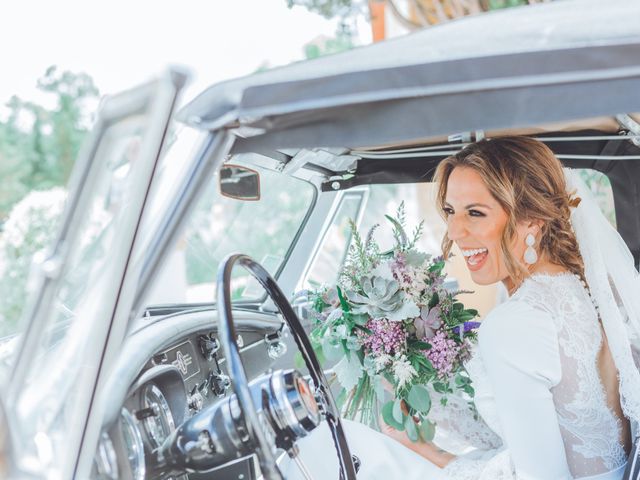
<point x="133" y="445"/>
<point x="105" y="461"/>
<point x="159" y="423"/>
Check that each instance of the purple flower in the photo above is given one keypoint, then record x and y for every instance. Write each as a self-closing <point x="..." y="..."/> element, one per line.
<point x="428" y="322"/>
<point x="386" y="337"/>
<point x="443" y="354"/>
<point x="399" y="269"/>
<point x="466" y="327"/>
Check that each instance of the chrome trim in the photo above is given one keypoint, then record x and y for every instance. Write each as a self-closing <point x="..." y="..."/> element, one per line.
<point x="106" y="460"/>
<point x="289" y="406"/>
<point x="453" y="152"/>
<point x="284" y="410"/>
<point x="139" y="468"/>
<point x="161" y="402"/>
<point x="630" y="124"/>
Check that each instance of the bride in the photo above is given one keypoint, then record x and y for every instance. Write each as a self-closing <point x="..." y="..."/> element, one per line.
<point x="556" y="384"/>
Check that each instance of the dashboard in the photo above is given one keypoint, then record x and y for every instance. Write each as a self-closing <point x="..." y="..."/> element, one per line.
<point x="162" y="379"/>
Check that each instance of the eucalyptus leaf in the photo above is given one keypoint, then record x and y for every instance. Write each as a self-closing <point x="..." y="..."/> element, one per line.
<point x="419" y="399"/>
<point x="387" y="416"/>
<point x="397" y="411"/>
<point x="411" y="429"/>
<point x="427" y="430"/>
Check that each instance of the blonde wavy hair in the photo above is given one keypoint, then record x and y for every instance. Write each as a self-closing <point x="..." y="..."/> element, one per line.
<point x="527" y="180"/>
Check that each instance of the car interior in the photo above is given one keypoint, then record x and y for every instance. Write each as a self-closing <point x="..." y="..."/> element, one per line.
<point x="173" y="412"/>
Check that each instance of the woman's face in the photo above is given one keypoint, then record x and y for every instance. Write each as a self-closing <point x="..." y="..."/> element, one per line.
<point x="475" y="222"/>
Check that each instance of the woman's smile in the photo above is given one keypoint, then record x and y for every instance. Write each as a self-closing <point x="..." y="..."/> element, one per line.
<point x="475" y="257"/>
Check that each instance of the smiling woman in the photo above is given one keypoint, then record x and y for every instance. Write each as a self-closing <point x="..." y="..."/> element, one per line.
<point x="501" y="197"/>
<point x="543" y="365"/>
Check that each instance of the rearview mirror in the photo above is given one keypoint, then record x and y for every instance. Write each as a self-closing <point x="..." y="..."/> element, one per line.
<point x="240" y="183"/>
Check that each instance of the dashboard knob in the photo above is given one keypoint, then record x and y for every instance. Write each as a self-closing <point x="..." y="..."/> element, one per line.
<point x="209" y="346"/>
<point x="151" y="411"/>
<point x="220" y="383"/>
<point x="276" y="349"/>
<point x="196" y="401"/>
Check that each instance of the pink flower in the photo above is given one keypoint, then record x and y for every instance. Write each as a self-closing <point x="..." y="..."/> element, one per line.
<point x="386" y="337"/>
<point x="443" y="354"/>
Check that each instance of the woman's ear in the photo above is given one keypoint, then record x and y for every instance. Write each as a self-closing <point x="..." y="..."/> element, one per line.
<point x="535" y="225"/>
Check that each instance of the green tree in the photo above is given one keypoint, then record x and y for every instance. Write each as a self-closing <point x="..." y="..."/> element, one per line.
<point x="39" y="145"/>
<point x="341" y="42"/>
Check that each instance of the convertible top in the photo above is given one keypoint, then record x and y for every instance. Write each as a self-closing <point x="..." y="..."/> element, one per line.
<point x="517" y="67"/>
<point x="562" y="70"/>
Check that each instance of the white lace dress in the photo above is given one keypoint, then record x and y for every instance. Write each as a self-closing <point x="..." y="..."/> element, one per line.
<point x="543" y="408"/>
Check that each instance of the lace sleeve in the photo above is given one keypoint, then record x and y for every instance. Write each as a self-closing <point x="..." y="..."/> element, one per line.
<point x="459" y="427"/>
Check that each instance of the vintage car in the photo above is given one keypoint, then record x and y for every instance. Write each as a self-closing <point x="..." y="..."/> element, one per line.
<point x="156" y="346"/>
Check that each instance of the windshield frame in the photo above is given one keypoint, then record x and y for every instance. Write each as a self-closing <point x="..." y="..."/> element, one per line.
<point x="310" y="179"/>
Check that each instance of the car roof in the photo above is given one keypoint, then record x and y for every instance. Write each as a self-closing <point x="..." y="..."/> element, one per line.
<point x="520" y="67"/>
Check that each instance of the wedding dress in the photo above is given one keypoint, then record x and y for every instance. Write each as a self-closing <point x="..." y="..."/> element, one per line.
<point x="543" y="409"/>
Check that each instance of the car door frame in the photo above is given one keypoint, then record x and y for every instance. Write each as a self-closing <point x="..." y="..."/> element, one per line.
<point x="156" y="100"/>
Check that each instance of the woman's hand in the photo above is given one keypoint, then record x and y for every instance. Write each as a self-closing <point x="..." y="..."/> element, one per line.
<point x="428" y="450"/>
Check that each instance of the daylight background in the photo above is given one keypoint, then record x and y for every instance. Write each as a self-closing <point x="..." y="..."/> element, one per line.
<point x="60" y="58"/>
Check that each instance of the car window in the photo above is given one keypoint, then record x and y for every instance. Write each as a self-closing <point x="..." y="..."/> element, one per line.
<point x="419" y="200"/>
<point x="600" y="187"/>
<point x="263" y="229"/>
<point x="333" y="248"/>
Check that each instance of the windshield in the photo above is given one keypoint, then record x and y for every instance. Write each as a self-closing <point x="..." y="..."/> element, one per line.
<point x="264" y="229"/>
<point x="69" y="326"/>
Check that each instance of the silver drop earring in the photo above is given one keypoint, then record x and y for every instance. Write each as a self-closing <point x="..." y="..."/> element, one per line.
<point x="530" y="254"/>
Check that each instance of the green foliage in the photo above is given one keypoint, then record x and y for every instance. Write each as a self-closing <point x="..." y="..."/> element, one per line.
<point x="338" y="44"/>
<point x="328" y="8"/>
<point x="600" y="187"/>
<point x="219" y="226"/>
<point x="39" y="145"/>
<point x="28" y="230"/>
<point x="498" y="4"/>
<point x="388" y="416"/>
<point x="419" y="399"/>
<point x="427" y="430"/>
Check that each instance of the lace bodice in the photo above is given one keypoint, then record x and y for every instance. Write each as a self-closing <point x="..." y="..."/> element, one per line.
<point x="545" y="340"/>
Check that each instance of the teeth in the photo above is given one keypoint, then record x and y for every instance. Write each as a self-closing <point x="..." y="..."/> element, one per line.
<point x="470" y="253"/>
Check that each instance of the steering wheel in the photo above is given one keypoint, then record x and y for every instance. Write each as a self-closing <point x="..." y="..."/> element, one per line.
<point x="227" y="337"/>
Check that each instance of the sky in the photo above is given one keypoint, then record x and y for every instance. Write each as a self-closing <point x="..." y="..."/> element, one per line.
<point x="122" y="43"/>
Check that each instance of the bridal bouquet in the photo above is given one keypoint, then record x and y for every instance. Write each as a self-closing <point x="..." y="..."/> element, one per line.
<point x="391" y="325"/>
